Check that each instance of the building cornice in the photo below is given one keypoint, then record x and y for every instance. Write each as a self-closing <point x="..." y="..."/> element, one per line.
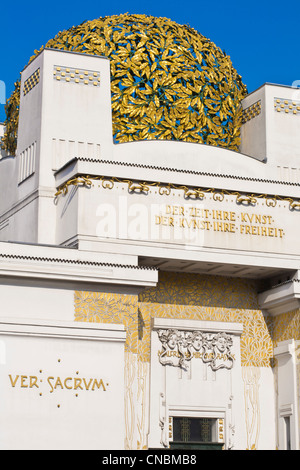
<point x="282" y="298"/>
<point x="174" y="170"/>
<point x="72" y="261"/>
<point x="49" y="263"/>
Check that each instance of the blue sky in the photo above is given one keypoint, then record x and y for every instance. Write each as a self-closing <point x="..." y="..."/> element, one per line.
<point x="262" y="38"/>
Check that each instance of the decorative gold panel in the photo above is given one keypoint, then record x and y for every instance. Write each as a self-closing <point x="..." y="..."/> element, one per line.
<point x="251" y="112"/>
<point x="31" y="82"/>
<point x="286" y="326"/>
<point x="76" y="76"/>
<point x="202" y="290"/>
<point x="256" y="344"/>
<point x="184" y="296"/>
<point x="194" y="297"/>
<point x="101" y="307"/>
<point x="287" y="106"/>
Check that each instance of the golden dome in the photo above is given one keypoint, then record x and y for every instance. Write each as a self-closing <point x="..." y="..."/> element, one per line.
<point x="168" y="81"/>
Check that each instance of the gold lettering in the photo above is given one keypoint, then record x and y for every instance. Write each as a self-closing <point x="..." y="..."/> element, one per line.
<point x="196" y="223"/>
<point x="229" y="227"/>
<point x="98" y="384"/>
<point x="163" y="220"/>
<point x="220" y="221"/>
<point x="217" y="215"/>
<point x="33" y="381"/>
<point x="48" y="380"/>
<point x="174" y="210"/>
<point x="257" y="219"/>
<point x="13" y="382"/>
<point x="77" y="384"/>
<point x="58" y="383"/>
<point x="264" y="219"/>
<point x="87" y="386"/>
<point x="218" y="227"/>
<point x="250" y="218"/>
<point x="67" y="383"/>
<point x="23" y="379"/>
<point x="69" y="387"/>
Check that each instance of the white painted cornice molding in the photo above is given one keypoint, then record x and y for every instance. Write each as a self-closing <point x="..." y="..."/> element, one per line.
<point x="282" y="298"/>
<point x="65" y="264"/>
<point x="203" y="325"/>
<point x="62" y="329"/>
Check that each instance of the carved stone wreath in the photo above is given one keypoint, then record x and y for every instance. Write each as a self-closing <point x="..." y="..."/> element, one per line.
<point x="179" y="347"/>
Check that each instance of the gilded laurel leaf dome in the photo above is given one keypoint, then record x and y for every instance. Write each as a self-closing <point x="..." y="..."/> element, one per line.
<point x="167" y="81"/>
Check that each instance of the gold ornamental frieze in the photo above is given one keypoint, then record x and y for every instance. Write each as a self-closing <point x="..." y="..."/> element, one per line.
<point x="188" y="192"/>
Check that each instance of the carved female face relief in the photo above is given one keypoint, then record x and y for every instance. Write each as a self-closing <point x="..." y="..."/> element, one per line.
<point x="172" y="340"/>
<point x="221" y="342"/>
<point x="216" y="348"/>
<point x="197" y="341"/>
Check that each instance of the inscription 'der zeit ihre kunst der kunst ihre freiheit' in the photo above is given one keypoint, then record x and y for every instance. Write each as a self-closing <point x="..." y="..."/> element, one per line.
<point x="196" y="217"/>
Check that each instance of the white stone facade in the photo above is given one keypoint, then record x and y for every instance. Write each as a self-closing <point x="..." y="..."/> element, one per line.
<point x="80" y="213"/>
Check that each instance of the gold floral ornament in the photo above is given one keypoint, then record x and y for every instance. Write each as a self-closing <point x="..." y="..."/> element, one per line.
<point x="168" y="81"/>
